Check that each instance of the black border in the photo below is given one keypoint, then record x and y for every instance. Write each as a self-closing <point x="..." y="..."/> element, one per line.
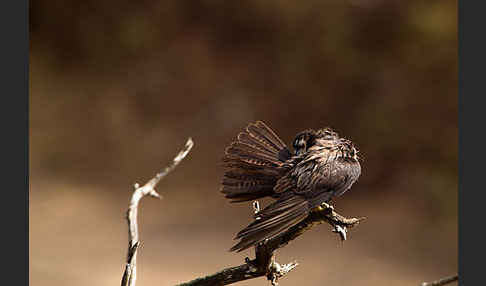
<point x="14" y="27"/>
<point x="472" y="64"/>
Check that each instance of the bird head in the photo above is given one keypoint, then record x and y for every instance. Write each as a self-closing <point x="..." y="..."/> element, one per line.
<point x="306" y="139"/>
<point x="303" y="141"/>
<point x="325" y="138"/>
<point x="349" y="150"/>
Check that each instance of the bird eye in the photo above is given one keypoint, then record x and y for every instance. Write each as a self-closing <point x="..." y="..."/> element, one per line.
<point x="300" y="142"/>
<point x="299" y="145"/>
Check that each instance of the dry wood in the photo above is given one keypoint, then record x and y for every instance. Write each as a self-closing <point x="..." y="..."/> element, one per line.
<point x="130" y="275"/>
<point x="442" y="281"/>
<point x="264" y="263"/>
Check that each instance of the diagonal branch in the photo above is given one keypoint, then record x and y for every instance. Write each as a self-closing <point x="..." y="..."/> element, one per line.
<point x="442" y="281"/>
<point x="130" y="274"/>
<point x="264" y="263"/>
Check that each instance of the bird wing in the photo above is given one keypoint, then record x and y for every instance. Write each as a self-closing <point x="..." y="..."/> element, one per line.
<point x="353" y="171"/>
<point x="317" y="181"/>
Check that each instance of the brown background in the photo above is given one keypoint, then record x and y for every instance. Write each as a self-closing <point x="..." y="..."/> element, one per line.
<point x="118" y="86"/>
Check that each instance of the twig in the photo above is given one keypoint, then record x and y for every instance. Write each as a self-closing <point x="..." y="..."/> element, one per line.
<point x="264" y="263"/>
<point x="442" y="281"/>
<point x="130" y="274"/>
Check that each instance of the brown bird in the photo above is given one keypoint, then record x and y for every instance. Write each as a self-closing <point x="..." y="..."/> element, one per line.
<point x="259" y="164"/>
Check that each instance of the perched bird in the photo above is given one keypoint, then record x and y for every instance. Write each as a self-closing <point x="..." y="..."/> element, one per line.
<point x="258" y="164"/>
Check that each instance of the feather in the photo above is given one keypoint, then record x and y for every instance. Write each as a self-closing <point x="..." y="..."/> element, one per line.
<point x="259" y="165"/>
<point x="254" y="162"/>
<point x="273" y="220"/>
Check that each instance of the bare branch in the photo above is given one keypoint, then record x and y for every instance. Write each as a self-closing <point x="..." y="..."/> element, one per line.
<point x="127" y="278"/>
<point x="130" y="274"/>
<point x="264" y="263"/>
<point x="442" y="281"/>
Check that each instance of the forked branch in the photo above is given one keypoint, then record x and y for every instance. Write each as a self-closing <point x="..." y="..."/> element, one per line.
<point x="130" y="274"/>
<point x="264" y="263"/>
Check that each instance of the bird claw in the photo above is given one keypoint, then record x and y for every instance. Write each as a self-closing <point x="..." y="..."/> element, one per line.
<point x="325" y="207"/>
<point x="256" y="207"/>
<point x="341" y="230"/>
<point x="251" y="263"/>
<point x="277" y="271"/>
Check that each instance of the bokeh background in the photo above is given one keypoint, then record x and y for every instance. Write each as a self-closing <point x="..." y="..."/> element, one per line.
<point x="118" y="86"/>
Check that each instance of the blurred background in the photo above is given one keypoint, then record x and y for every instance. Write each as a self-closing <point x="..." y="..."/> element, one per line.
<point x="118" y="86"/>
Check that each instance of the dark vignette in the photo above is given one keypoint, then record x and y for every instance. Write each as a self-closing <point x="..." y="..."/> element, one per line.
<point x="471" y="101"/>
<point x="15" y="83"/>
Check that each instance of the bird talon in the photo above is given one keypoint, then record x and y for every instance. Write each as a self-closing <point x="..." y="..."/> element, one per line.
<point x="341" y="230"/>
<point x="324" y="207"/>
<point x="256" y="207"/>
<point x="251" y="263"/>
<point x="328" y="206"/>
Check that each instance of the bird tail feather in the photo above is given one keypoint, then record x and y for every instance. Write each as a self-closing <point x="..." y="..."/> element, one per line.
<point x="254" y="163"/>
<point x="273" y="220"/>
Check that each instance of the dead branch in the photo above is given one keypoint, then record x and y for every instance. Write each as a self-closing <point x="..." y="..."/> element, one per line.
<point x="442" y="281"/>
<point x="264" y="263"/>
<point x="130" y="274"/>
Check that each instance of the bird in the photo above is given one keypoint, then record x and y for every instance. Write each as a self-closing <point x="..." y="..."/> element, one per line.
<point x="320" y="165"/>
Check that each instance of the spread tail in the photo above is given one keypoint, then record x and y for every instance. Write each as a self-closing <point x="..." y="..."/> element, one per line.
<point x="254" y="163"/>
